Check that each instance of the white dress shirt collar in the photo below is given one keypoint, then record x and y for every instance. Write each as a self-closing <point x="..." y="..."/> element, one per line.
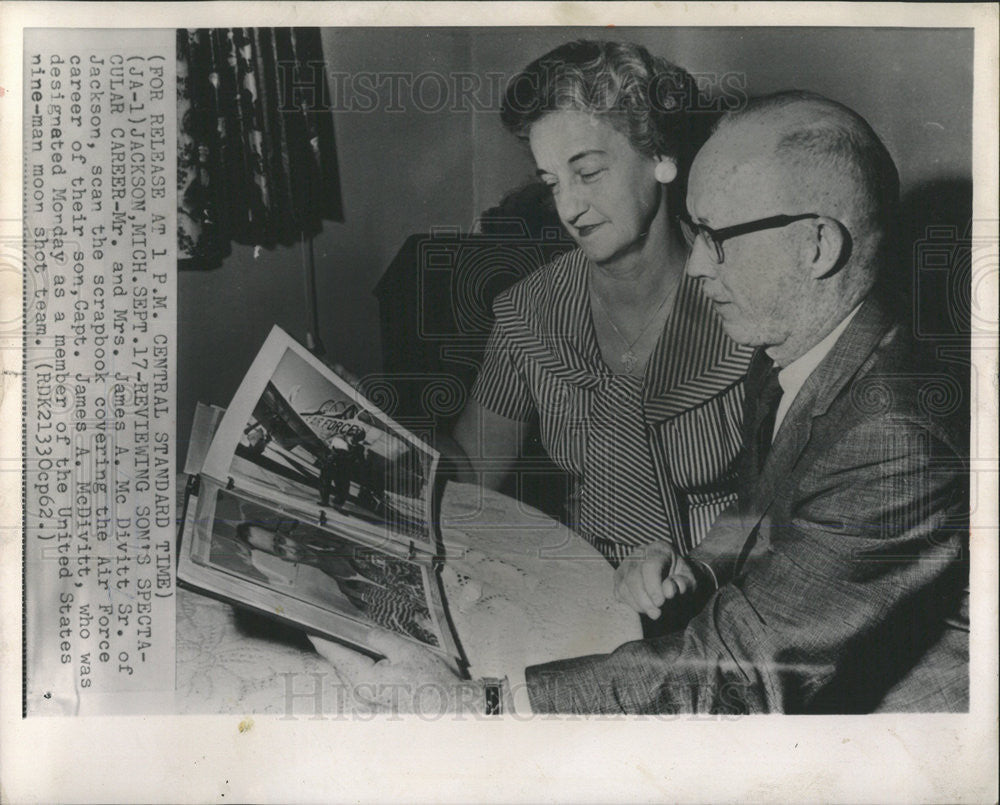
<point x="793" y="376"/>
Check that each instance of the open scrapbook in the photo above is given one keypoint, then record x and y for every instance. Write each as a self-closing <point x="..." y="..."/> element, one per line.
<point x="307" y="503"/>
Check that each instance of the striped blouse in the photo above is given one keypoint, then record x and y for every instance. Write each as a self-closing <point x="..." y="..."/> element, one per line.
<point x="652" y="458"/>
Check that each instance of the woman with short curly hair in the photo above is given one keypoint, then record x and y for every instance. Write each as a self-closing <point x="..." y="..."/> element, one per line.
<point x="636" y="388"/>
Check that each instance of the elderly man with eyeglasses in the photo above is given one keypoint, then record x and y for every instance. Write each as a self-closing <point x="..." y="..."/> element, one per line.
<point x="836" y="583"/>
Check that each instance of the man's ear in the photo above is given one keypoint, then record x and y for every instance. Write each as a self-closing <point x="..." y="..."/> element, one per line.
<point x="828" y="249"/>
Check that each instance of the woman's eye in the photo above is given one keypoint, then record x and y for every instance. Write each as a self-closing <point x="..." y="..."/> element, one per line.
<point x="592" y="176"/>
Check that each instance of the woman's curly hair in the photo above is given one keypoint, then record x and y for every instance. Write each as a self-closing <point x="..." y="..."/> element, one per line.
<point x="655" y="103"/>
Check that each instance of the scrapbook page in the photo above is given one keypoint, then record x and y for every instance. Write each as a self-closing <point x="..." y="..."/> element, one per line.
<point x="313" y="508"/>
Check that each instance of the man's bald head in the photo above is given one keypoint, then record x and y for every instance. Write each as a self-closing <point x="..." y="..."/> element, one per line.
<point x="786" y="285"/>
<point x="827" y="160"/>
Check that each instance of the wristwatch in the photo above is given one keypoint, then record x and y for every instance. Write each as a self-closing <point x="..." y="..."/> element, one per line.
<point x="493" y="692"/>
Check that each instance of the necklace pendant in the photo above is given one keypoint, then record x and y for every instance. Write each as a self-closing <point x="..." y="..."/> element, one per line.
<point x="629" y="360"/>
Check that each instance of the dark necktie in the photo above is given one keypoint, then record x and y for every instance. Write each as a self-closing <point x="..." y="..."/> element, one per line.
<point x="760" y="409"/>
<point x="767" y="409"/>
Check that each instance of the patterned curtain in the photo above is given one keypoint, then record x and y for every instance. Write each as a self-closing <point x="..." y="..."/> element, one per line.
<point x="256" y="159"/>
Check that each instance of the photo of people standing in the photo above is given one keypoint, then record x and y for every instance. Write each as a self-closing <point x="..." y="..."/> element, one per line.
<point x="315" y="442"/>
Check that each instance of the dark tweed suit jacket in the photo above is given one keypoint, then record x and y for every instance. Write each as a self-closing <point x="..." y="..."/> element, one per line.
<point x="841" y="569"/>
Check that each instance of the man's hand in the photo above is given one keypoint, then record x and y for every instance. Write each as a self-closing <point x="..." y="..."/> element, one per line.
<point x="646" y="583"/>
<point x="409" y="679"/>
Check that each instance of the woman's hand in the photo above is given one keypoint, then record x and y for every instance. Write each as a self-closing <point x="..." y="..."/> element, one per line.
<point x="410" y="678"/>
<point x="490" y="443"/>
<point x="646" y="583"/>
<point x="455" y="463"/>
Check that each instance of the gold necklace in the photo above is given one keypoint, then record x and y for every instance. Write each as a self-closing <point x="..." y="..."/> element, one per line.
<point x="628" y="358"/>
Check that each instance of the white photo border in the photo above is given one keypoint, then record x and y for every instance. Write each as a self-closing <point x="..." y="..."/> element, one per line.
<point x="891" y="758"/>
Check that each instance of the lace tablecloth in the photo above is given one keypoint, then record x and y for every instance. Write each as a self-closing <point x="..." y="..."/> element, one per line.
<point x="521" y="589"/>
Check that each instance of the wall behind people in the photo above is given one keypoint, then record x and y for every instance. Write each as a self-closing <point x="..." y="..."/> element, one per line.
<point x="913" y="86"/>
<point x="407" y="166"/>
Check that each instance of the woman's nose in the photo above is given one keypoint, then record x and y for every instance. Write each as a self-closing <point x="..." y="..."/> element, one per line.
<point x="571" y="203"/>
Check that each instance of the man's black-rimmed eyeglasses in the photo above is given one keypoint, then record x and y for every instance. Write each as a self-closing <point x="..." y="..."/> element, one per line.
<point x="714" y="238"/>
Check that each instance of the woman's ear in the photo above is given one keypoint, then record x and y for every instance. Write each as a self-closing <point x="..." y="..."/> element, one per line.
<point x="665" y="170"/>
<point x="829" y="248"/>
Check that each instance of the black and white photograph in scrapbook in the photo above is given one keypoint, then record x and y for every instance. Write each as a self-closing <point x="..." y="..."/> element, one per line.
<point x="292" y="557"/>
<point x="310" y="440"/>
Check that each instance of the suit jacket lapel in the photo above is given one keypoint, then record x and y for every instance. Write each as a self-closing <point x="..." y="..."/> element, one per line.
<point x="743" y="530"/>
<point x="834" y="372"/>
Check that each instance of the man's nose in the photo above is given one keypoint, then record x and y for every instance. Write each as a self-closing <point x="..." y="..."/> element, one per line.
<point x="699" y="263"/>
